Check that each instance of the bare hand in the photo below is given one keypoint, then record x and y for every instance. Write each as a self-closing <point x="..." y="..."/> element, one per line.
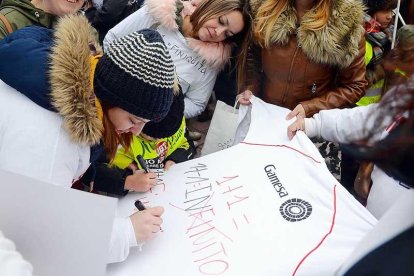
<point x="168" y="164"/>
<point x="244" y="97"/>
<point x="299" y="111"/>
<point x="147" y="223"/>
<point x="299" y="124"/>
<point x="140" y="181"/>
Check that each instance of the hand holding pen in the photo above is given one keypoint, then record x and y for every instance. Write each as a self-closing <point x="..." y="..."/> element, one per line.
<point x="141" y="180"/>
<point x="146" y="222"/>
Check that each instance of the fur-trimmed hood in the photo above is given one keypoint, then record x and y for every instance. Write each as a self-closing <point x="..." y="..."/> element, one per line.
<point x="53" y="69"/>
<point x="70" y="78"/>
<point x="166" y="13"/>
<point x="335" y="44"/>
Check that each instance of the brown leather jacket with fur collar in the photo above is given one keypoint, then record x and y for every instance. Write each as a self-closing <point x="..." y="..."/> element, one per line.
<point x="321" y="69"/>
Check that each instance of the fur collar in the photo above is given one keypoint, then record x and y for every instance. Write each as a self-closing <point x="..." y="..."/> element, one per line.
<point x="336" y="44"/>
<point x="216" y="55"/>
<point x="70" y="73"/>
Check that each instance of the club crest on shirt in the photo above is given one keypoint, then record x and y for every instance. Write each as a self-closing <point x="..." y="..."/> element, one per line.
<point x="162" y="149"/>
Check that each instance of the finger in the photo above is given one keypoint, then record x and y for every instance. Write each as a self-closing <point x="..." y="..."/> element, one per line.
<point x="240" y="99"/>
<point x="291" y="131"/>
<point x="292" y="114"/>
<point x="293" y="128"/>
<point x="302" y="112"/>
<point x="247" y="95"/>
<point x="244" y="97"/>
<point x="155" y="229"/>
<point x="152" y="182"/>
<point x="156" y="211"/>
<point x="139" y="172"/>
<point x="157" y="221"/>
<point x="244" y="102"/>
<point x="152" y="175"/>
<point x="144" y="188"/>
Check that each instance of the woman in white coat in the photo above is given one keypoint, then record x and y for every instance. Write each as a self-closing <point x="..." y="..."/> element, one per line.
<point x="92" y="99"/>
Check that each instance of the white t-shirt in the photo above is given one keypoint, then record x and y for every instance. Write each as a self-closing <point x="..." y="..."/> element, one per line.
<point x="267" y="194"/>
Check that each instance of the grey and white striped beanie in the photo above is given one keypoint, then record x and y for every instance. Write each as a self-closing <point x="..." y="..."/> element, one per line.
<point x="137" y="74"/>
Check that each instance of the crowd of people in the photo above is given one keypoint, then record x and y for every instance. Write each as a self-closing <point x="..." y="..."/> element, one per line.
<point x="107" y="82"/>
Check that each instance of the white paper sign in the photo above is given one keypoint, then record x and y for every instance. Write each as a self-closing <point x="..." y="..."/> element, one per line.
<point x="267" y="206"/>
<point x="60" y="231"/>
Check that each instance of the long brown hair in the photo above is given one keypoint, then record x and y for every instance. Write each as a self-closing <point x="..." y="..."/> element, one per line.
<point x="209" y="9"/>
<point x="110" y="138"/>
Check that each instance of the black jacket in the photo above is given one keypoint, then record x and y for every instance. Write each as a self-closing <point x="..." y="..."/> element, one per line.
<point x="111" y="13"/>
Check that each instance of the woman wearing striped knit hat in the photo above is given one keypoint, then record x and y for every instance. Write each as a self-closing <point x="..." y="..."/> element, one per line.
<point x="99" y="98"/>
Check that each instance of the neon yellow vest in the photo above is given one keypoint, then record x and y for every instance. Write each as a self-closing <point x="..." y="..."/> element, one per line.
<point x="373" y="93"/>
<point x="153" y="151"/>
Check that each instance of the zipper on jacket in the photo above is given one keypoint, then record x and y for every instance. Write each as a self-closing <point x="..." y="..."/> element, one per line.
<point x="290" y="74"/>
<point x="314" y="87"/>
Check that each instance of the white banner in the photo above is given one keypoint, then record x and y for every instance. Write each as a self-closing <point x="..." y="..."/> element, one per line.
<point x="267" y="206"/>
<point x="60" y="231"/>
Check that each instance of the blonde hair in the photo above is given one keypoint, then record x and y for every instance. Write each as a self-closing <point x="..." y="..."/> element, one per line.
<point x="270" y="10"/>
<point x="263" y="23"/>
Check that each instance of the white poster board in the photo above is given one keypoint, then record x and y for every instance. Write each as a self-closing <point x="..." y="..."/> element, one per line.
<point x="267" y="206"/>
<point x="60" y="231"/>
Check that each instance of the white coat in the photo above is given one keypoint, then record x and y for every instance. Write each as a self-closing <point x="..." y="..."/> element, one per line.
<point x="52" y="147"/>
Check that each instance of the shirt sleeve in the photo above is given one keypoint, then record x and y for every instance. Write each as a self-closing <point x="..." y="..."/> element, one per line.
<point x="138" y="20"/>
<point x="123" y="237"/>
<point x="198" y="94"/>
<point x="11" y="261"/>
<point x="342" y="125"/>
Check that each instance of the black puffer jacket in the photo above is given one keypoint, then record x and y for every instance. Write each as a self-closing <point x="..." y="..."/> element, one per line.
<point x="111" y="13"/>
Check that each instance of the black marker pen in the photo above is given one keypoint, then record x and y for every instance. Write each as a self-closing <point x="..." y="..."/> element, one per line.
<point x="142" y="163"/>
<point x="139" y="205"/>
